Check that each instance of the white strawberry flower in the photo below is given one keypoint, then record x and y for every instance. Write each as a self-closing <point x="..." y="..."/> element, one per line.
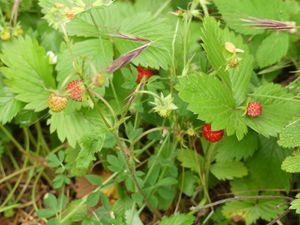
<point x="52" y="58"/>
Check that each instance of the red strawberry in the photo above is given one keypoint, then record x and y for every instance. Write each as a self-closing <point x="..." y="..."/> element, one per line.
<point x="143" y="72"/>
<point x="56" y="102"/>
<point x="254" y="109"/>
<point x="76" y="90"/>
<point x="212" y="136"/>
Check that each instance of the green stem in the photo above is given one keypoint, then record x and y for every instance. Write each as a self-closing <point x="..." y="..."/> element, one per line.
<point x="156" y="158"/>
<point x="204" y="7"/>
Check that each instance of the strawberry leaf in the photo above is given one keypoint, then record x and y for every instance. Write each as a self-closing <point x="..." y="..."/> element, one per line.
<point x="130" y="28"/>
<point x="289" y="137"/>
<point x="235" y="10"/>
<point x="227" y="170"/>
<point x="29" y="82"/>
<point x="253" y="210"/>
<point x="95" y="54"/>
<point x="9" y="106"/>
<point x="263" y="168"/>
<point x="272" y="49"/>
<point x="291" y="164"/>
<point x="275" y="101"/>
<point x="229" y="148"/>
<point x="214" y="39"/>
<point x="178" y="219"/>
<point x="75" y="125"/>
<point x="90" y="144"/>
<point x="213" y="102"/>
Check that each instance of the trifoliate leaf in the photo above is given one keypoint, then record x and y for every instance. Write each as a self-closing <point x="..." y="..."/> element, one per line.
<point x="227" y="170"/>
<point x="234" y="11"/>
<point x="179" y="219"/>
<point x="272" y="49"/>
<point x="9" y="106"/>
<point x="252" y="210"/>
<point x="213" y="102"/>
<point x="28" y="72"/>
<point x="229" y="148"/>
<point x="291" y="164"/>
<point x="289" y="137"/>
<point x="278" y="107"/>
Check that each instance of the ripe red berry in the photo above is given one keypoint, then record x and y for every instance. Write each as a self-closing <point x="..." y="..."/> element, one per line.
<point x="56" y="102"/>
<point x="143" y="72"/>
<point x="212" y="136"/>
<point x="76" y="90"/>
<point x="254" y="109"/>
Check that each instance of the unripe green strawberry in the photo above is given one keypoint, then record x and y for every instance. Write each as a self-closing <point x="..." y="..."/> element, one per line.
<point x="56" y="102"/>
<point x="76" y="90"/>
<point x="5" y="35"/>
<point x="99" y="79"/>
<point x="254" y="109"/>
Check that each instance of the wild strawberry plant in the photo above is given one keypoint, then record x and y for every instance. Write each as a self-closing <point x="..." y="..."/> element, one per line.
<point x="149" y="112"/>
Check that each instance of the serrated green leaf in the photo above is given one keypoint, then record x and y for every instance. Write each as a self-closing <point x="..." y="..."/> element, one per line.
<point x="227" y="170"/>
<point x="229" y="148"/>
<point x="90" y="144"/>
<point x="296" y="205"/>
<point x="235" y="10"/>
<point x="9" y="106"/>
<point x="105" y="18"/>
<point x="128" y="21"/>
<point x="75" y="125"/>
<point x="264" y="168"/>
<point x="275" y="101"/>
<point x="214" y="39"/>
<point x="95" y="54"/>
<point x="28" y="72"/>
<point x="188" y="183"/>
<point x="252" y="210"/>
<point x="291" y="164"/>
<point x="272" y="49"/>
<point x="190" y="159"/>
<point x="213" y="102"/>
<point x="158" y="31"/>
<point x="179" y="219"/>
<point x="289" y="137"/>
